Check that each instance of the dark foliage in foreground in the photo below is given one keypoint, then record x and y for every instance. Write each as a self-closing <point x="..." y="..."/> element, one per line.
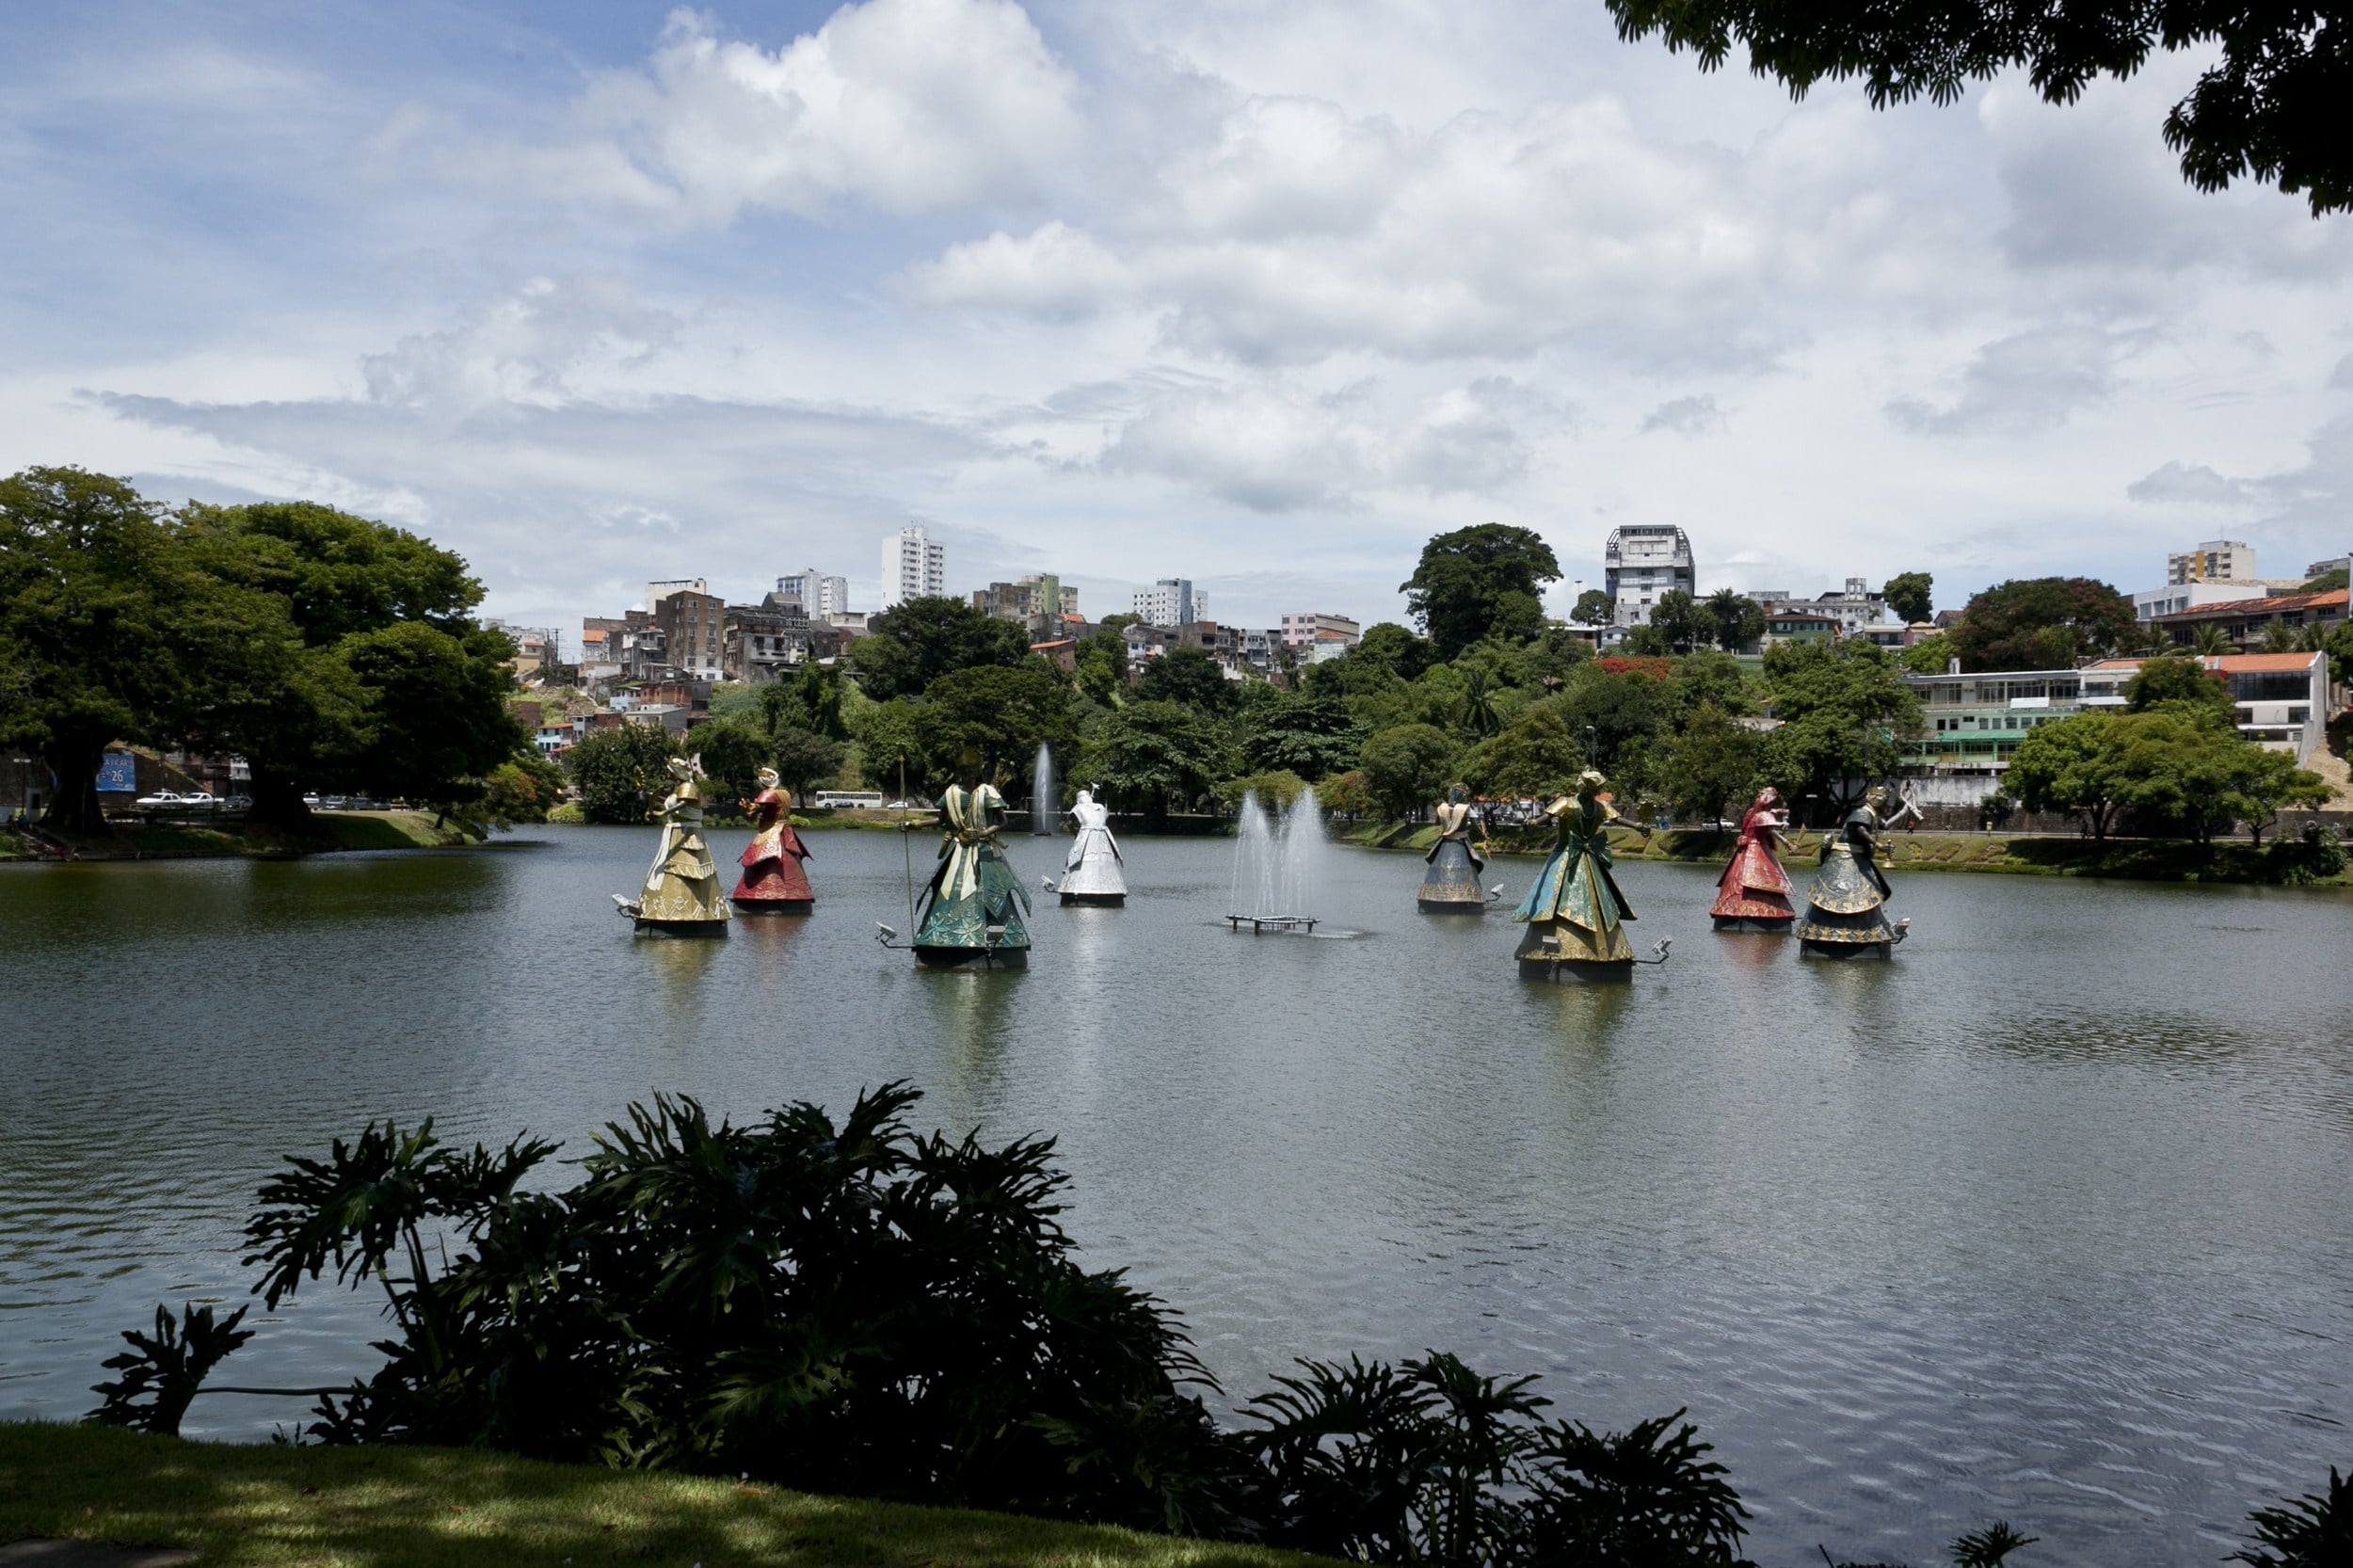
<point x="858" y="1309"/>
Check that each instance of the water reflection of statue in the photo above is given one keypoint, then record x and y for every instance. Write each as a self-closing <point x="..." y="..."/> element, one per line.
<point x="1846" y="917"/>
<point x="1451" y="886"/>
<point x="1574" y="913"/>
<point x="773" y="881"/>
<point x="1753" y="892"/>
<point x="1092" y="873"/>
<point x="974" y="901"/>
<point x="681" y="891"/>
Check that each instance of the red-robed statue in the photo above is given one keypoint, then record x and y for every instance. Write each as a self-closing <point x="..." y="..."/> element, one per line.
<point x="773" y="881"/>
<point x="1753" y="892"/>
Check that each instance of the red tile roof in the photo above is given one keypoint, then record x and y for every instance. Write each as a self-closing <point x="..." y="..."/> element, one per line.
<point x="2256" y="606"/>
<point x="2230" y="664"/>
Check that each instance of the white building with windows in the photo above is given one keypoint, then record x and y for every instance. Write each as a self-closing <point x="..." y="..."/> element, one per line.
<point x="913" y="566"/>
<point x="1643" y="560"/>
<point x="1173" y="601"/>
<point x="817" y="594"/>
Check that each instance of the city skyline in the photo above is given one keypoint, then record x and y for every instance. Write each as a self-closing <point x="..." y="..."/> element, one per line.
<point x="1267" y="298"/>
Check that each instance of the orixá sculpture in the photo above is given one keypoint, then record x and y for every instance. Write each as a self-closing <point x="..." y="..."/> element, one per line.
<point x="774" y="882"/>
<point x="1092" y="873"/>
<point x="1574" y="913"/>
<point x="1846" y="915"/>
<point x="1451" y="886"/>
<point x="1753" y="892"/>
<point x="974" y="903"/>
<point x="681" y="896"/>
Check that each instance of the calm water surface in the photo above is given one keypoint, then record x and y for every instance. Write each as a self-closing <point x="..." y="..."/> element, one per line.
<point x="2046" y="1220"/>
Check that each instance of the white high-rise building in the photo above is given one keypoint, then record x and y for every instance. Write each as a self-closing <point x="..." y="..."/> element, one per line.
<point x="1643" y="561"/>
<point x="1173" y="601"/>
<point x="816" y="593"/>
<point x="913" y="566"/>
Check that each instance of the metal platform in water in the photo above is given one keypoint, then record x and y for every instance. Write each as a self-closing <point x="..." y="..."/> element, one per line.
<point x="1283" y="925"/>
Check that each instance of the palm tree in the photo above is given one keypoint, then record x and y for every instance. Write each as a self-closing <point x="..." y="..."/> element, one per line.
<point x="2278" y="637"/>
<point x="1479" y="703"/>
<point x="2210" y="642"/>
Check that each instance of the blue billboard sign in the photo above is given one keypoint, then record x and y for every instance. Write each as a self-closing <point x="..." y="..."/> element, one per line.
<point x="118" y="774"/>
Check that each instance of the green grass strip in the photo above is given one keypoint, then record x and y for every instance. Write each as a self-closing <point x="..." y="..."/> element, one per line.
<point x="273" y="1506"/>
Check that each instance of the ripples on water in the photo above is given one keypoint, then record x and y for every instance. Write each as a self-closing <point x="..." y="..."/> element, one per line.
<point x="2045" y="1220"/>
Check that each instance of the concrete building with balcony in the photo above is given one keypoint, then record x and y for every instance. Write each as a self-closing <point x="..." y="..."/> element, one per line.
<point x="1641" y="561"/>
<point x="758" y="642"/>
<point x="691" y="623"/>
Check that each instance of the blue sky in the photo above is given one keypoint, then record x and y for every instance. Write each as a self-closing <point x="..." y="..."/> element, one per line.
<point x="1260" y="296"/>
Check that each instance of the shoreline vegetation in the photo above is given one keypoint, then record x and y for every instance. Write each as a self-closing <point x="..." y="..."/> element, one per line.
<point x="2023" y="854"/>
<point x="2020" y="855"/>
<point x="264" y="1505"/>
<point x="325" y="833"/>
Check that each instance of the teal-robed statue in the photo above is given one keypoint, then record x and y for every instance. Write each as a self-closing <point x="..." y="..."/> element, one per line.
<point x="974" y="903"/>
<point x="1574" y="913"/>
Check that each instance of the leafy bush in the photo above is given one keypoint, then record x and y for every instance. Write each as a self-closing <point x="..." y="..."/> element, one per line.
<point x="620" y="773"/>
<point x="2311" y="1532"/>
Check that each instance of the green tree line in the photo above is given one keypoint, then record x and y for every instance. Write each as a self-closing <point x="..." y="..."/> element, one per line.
<point x="330" y="651"/>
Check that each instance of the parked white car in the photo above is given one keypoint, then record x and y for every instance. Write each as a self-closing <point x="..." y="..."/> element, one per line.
<point x="167" y="800"/>
<point x="161" y="799"/>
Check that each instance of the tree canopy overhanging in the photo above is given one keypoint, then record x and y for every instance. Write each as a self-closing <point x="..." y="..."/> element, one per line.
<point x="2272" y="107"/>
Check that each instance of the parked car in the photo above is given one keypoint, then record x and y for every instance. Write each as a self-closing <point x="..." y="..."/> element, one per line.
<point x="162" y="800"/>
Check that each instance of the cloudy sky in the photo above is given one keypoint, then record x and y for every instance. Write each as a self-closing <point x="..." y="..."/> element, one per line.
<point x="1263" y="294"/>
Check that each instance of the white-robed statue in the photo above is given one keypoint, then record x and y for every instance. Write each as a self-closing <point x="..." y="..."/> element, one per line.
<point x="1092" y="873"/>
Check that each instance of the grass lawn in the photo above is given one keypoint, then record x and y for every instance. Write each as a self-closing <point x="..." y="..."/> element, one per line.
<point x="273" y="1507"/>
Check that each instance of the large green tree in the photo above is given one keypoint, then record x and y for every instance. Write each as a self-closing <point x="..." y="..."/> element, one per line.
<point x="732" y="753"/>
<point x="1594" y="608"/>
<point x="1682" y="620"/>
<point x="1299" y="732"/>
<point x="1534" y="757"/>
<point x="1607" y="710"/>
<point x="1003" y="713"/>
<point x="2160" y="681"/>
<point x="914" y="643"/>
<point x="2041" y="623"/>
<point x="1408" y="768"/>
<point x="894" y="745"/>
<point x="109" y="625"/>
<point x="2071" y="764"/>
<point x="803" y="758"/>
<point x="2269" y="106"/>
<point x="1911" y="595"/>
<point x="1713" y="761"/>
<point x="386" y="683"/>
<point x="1734" y="621"/>
<point x="622" y="772"/>
<point x="1480" y="582"/>
<point x="1844" y="713"/>
<point x="1188" y="677"/>
<point x="1149" y="754"/>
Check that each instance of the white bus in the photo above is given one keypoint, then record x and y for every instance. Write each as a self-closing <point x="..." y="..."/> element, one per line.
<point x="826" y="799"/>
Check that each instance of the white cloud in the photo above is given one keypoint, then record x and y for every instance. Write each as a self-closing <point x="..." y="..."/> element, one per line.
<point x="1688" y="416"/>
<point x="904" y="106"/>
<point x="2024" y="383"/>
<point x="2191" y="484"/>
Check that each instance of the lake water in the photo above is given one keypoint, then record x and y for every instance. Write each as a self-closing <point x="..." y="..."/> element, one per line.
<point x="2046" y="1220"/>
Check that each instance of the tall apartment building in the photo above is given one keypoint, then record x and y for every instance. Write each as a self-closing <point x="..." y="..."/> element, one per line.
<point x="657" y="592"/>
<point x="690" y="621"/>
<point x="817" y="594"/>
<point x="913" y="566"/>
<point x="2215" y="561"/>
<point x="1303" y="630"/>
<point x="1644" y="560"/>
<point x="1173" y="601"/>
<point x="1038" y="602"/>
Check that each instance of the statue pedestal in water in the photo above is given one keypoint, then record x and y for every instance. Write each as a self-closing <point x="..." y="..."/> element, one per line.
<point x="681" y="896"/>
<point x="1846" y="915"/>
<point x="1752" y="894"/>
<point x="1575" y="914"/>
<point x="773" y="881"/>
<point x="972" y="916"/>
<point x="1093" y="874"/>
<point x="1451" y="886"/>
